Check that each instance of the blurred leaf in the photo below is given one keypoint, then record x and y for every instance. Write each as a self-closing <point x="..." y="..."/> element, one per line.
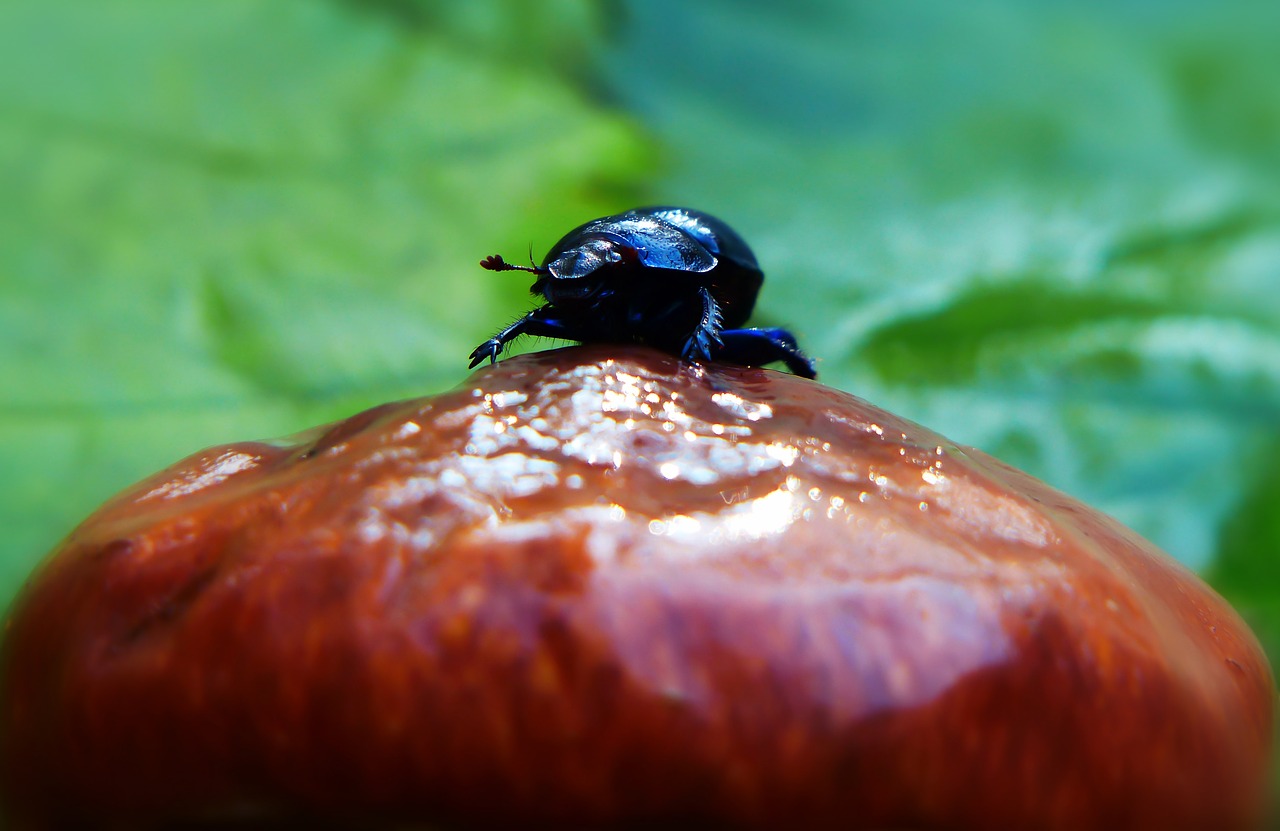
<point x="1247" y="570"/>
<point x="243" y="218"/>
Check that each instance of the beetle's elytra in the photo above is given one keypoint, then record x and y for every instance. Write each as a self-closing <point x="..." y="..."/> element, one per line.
<point x="673" y="278"/>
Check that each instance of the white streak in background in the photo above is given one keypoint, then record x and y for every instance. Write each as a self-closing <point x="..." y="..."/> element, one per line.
<point x="221" y="468"/>
<point x="407" y="430"/>
<point x="990" y="513"/>
<point x="755" y="519"/>
<point x="1236" y="351"/>
<point x="740" y="408"/>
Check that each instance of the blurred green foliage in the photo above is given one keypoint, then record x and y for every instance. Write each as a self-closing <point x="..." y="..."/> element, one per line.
<point x="1051" y="230"/>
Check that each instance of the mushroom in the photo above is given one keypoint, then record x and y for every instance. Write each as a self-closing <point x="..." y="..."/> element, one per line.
<point x="601" y="587"/>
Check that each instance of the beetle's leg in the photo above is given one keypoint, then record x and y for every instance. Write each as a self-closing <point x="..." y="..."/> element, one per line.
<point x="540" y="321"/>
<point x="756" y="347"/>
<point x="706" y="336"/>
<point x="492" y="348"/>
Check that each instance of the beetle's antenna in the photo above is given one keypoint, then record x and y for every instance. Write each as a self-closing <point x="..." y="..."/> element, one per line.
<point x="531" y="262"/>
<point x="494" y="262"/>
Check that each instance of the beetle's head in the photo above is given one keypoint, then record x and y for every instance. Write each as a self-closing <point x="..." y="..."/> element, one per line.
<point x="579" y="273"/>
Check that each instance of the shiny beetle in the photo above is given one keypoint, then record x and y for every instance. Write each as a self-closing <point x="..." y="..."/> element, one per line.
<point x="673" y="278"/>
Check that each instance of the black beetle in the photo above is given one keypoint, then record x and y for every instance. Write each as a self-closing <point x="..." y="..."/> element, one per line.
<point x="676" y="279"/>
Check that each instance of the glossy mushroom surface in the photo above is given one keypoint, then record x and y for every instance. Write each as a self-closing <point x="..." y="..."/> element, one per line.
<point x="599" y="587"/>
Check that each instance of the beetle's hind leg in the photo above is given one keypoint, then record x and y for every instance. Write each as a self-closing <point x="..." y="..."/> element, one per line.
<point x="705" y="340"/>
<point x="756" y="347"/>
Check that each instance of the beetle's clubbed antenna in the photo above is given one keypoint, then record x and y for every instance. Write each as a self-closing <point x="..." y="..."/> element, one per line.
<point x="494" y="262"/>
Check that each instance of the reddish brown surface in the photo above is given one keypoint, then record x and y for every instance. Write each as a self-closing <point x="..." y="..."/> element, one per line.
<point x="587" y="590"/>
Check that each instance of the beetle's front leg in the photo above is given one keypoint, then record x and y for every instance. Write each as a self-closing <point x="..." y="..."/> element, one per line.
<point x="706" y="335"/>
<point x="492" y="348"/>
<point x="541" y="321"/>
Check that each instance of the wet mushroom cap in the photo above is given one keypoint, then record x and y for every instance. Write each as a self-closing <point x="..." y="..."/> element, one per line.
<point x="598" y="586"/>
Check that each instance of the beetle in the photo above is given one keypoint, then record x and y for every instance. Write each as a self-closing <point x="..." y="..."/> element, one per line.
<point x="674" y="278"/>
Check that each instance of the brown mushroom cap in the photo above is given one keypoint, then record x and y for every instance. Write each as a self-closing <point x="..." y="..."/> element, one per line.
<point x="600" y="587"/>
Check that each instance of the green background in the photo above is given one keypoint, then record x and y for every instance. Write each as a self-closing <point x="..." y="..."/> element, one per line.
<point x="1048" y="229"/>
